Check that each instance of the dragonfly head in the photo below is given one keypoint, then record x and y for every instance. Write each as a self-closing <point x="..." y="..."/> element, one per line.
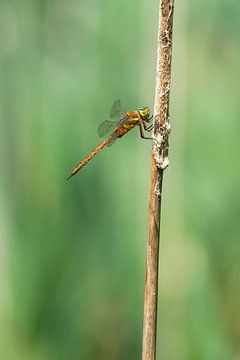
<point x="144" y="112"/>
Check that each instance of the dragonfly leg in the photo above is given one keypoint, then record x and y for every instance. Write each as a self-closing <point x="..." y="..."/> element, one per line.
<point x="147" y="128"/>
<point x="150" y="119"/>
<point x="142" y="133"/>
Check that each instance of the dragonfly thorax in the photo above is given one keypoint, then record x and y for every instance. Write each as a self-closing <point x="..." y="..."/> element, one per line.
<point x="144" y="112"/>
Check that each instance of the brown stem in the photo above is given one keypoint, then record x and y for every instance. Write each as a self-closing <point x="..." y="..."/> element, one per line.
<point x="159" y="163"/>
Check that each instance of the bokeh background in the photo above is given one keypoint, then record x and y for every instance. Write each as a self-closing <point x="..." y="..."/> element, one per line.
<point x="72" y="254"/>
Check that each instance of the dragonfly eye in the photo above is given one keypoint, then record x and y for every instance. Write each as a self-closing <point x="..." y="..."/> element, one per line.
<point x="144" y="112"/>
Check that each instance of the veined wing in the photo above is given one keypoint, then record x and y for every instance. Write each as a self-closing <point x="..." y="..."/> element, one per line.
<point x="117" y="110"/>
<point x="106" y="127"/>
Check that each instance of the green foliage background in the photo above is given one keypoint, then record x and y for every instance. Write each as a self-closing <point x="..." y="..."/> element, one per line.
<point x="72" y="254"/>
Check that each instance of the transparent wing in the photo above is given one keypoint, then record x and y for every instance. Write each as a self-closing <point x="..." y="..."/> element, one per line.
<point x="106" y="127"/>
<point x="117" y="110"/>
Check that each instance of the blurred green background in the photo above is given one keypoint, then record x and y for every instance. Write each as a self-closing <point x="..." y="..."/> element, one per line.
<point x="72" y="254"/>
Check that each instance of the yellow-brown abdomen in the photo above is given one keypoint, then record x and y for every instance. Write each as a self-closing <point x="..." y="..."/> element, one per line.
<point x="89" y="157"/>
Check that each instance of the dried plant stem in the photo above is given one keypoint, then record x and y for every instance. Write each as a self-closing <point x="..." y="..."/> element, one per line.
<point x="159" y="163"/>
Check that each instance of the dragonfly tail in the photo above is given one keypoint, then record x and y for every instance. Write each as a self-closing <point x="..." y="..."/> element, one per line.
<point x="93" y="153"/>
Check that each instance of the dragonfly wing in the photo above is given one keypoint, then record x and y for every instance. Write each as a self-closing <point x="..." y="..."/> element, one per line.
<point x="105" y="127"/>
<point x="117" y="110"/>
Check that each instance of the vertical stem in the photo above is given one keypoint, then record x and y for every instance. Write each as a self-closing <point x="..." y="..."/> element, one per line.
<point x="158" y="164"/>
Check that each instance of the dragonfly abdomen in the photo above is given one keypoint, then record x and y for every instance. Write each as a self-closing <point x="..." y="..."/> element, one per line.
<point x="90" y="156"/>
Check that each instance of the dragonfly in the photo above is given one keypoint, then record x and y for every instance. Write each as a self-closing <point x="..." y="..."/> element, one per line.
<point x="122" y="122"/>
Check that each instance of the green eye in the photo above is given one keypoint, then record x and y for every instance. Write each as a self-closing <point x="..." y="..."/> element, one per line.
<point x="144" y="112"/>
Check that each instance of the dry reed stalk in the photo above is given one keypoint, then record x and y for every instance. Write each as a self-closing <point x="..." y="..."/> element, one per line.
<point x="159" y="163"/>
